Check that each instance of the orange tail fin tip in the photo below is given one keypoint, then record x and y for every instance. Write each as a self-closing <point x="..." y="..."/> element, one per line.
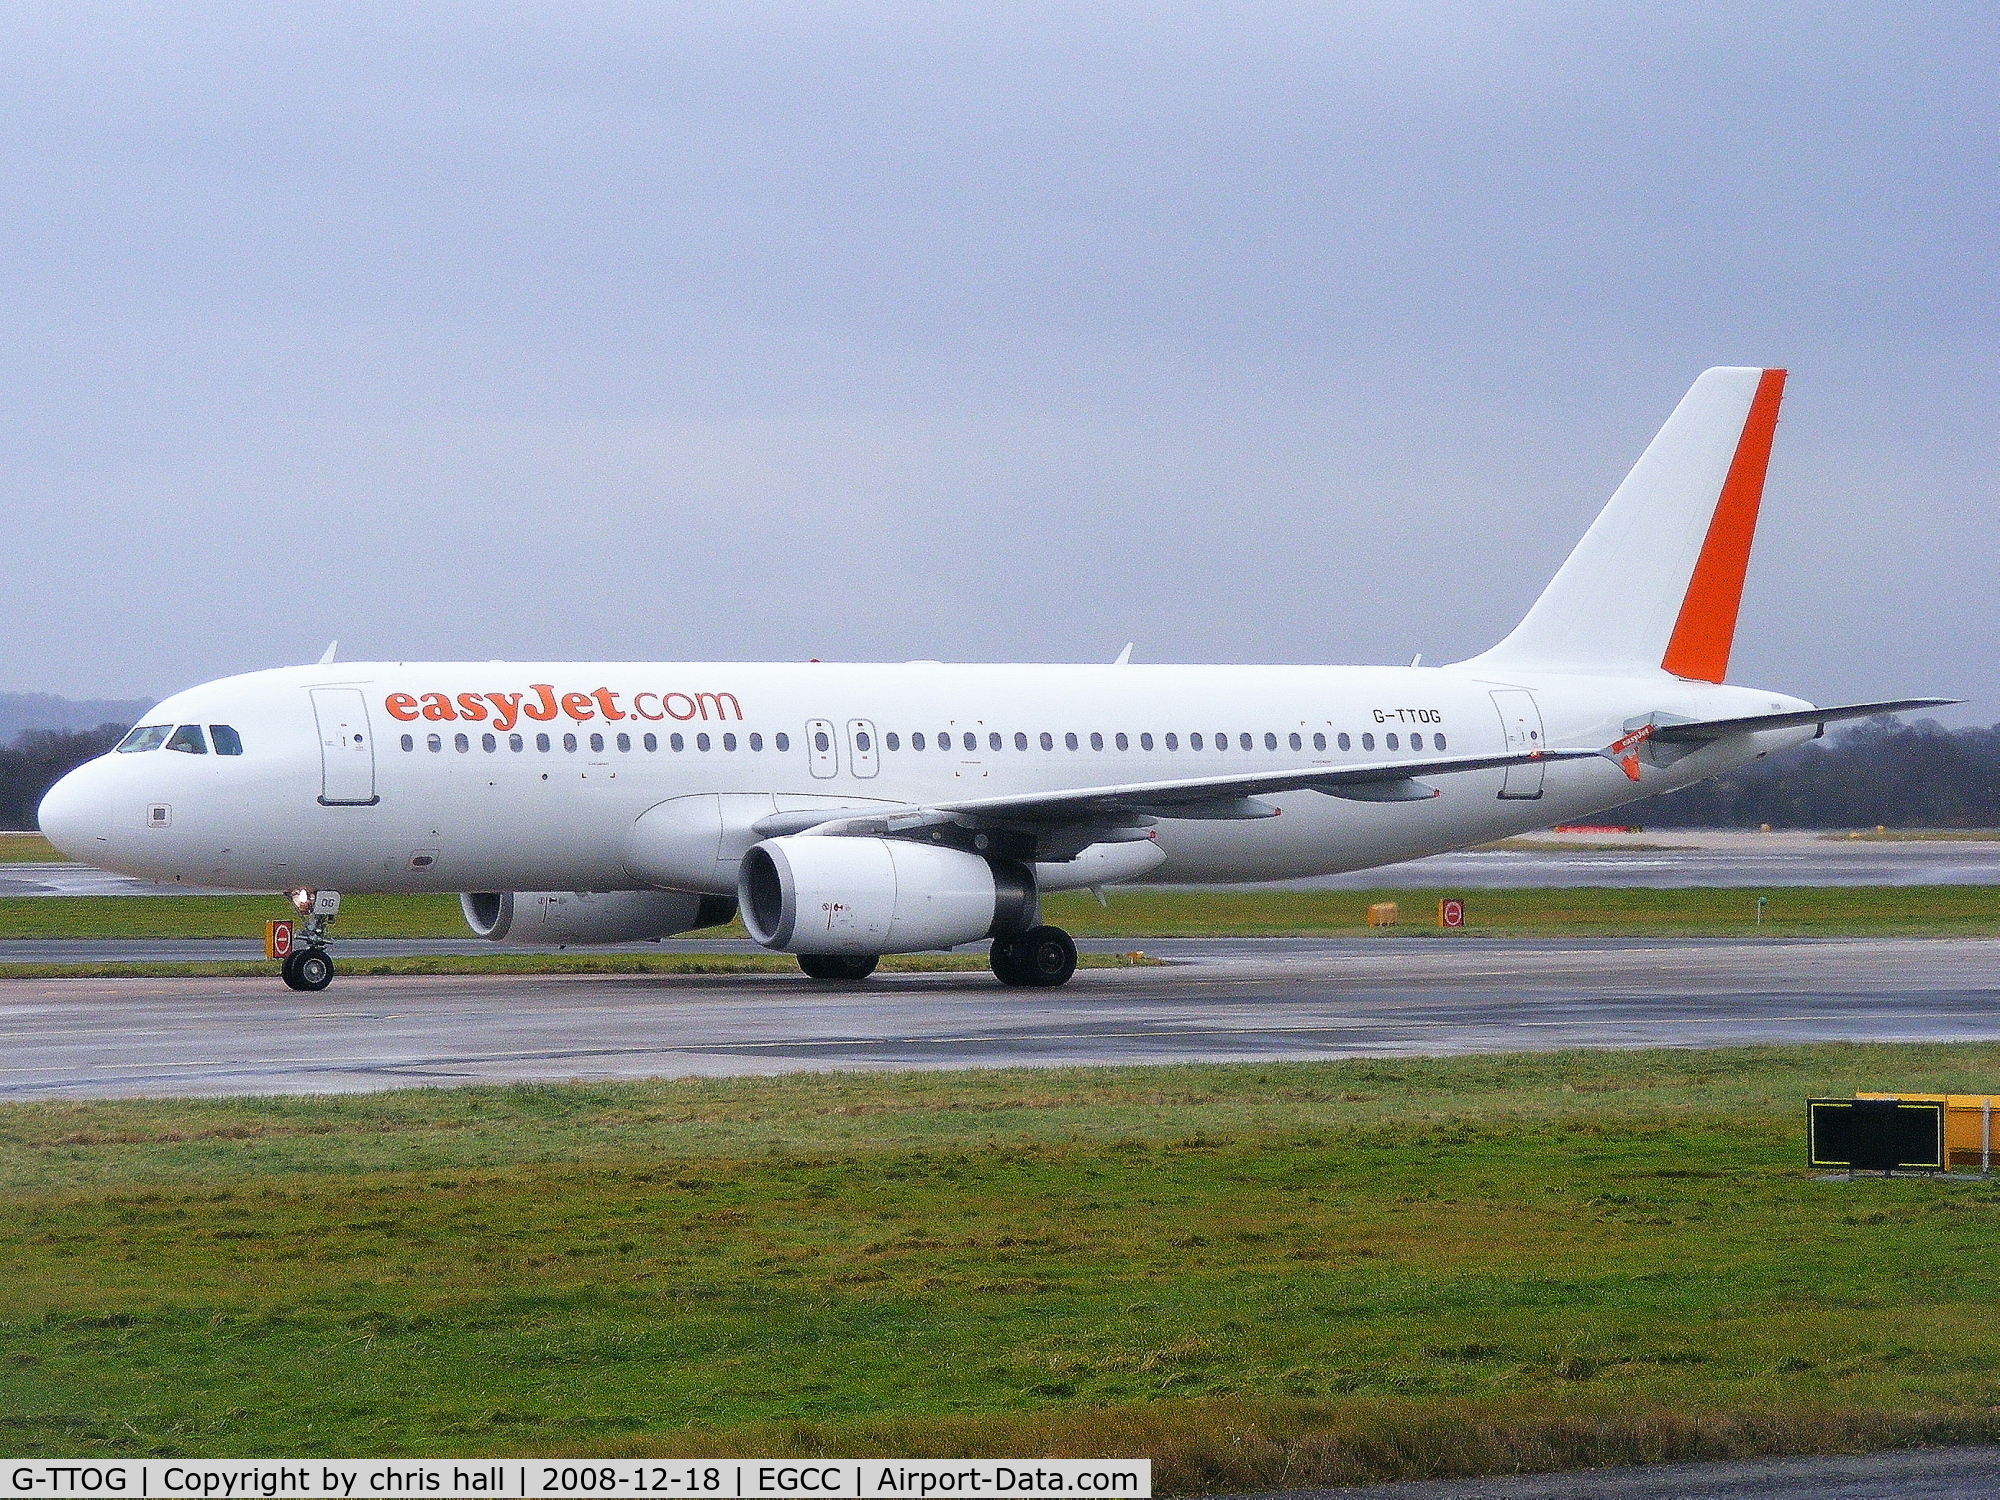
<point x="1706" y="629"/>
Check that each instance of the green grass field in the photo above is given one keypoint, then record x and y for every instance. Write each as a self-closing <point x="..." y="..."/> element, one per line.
<point x="1803" y="911"/>
<point x="1310" y="1273"/>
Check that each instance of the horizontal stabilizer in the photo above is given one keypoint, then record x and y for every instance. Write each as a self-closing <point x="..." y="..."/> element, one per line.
<point x="1715" y="729"/>
<point x="1681" y="737"/>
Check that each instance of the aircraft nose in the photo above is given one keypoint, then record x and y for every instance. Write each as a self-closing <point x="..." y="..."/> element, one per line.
<point x="75" y="816"/>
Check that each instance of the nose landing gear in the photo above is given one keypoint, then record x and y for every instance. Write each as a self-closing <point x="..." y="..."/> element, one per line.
<point x="306" y="963"/>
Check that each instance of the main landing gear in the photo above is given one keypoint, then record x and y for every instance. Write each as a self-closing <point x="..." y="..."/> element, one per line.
<point x="1042" y="957"/>
<point x="306" y="963"/>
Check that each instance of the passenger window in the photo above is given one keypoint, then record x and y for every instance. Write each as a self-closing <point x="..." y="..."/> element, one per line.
<point x="188" y="740"/>
<point x="433" y="743"/>
<point x="1346" y="743"/>
<point x="703" y="743"/>
<point x="652" y="741"/>
<point x="1096" y="740"/>
<point x="1222" y="742"/>
<point x="1392" y="743"/>
<point x="569" y="743"/>
<point x="1069" y="740"/>
<point x="1437" y="742"/>
<point x="1297" y="743"/>
<point x="542" y="743"/>
<point x="1048" y="740"/>
<point x="729" y="742"/>
<point x="625" y="743"/>
<point x="146" y="737"/>
<point x="1319" y="742"/>
<point x="757" y="742"/>
<point x="1367" y="741"/>
<point x="227" y="740"/>
<point x="944" y="740"/>
<point x="409" y="743"/>
<point x="1194" y="740"/>
<point x="993" y="740"/>
<point x="782" y="740"/>
<point x="1020" y="740"/>
<point x="597" y="744"/>
<point x="1121" y="742"/>
<point x="1174" y="742"/>
<point x="820" y="742"/>
<point x="516" y="743"/>
<point x="488" y="743"/>
<point x="917" y="740"/>
<point x="461" y="743"/>
<point x="1271" y="741"/>
<point x="860" y="740"/>
<point x="1244" y="741"/>
<point x="1416" y="742"/>
<point x="971" y="741"/>
<point x="1145" y="742"/>
<point x="676" y="743"/>
<point x="893" y="740"/>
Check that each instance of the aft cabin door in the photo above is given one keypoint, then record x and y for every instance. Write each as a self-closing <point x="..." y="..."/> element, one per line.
<point x="346" y="748"/>
<point x="1521" y="721"/>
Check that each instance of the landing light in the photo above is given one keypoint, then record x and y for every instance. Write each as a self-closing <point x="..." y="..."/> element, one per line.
<point x="302" y="901"/>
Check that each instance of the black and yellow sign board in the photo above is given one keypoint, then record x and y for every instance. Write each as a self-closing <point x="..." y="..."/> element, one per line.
<point x="1875" y="1135"/>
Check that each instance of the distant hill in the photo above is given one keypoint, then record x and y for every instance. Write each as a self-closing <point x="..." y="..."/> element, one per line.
<point x="23" y="711"/>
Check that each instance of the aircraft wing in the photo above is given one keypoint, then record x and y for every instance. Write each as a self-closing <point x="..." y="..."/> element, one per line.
<point x="1072" y="819"/>
<point x="1227" y="796"/>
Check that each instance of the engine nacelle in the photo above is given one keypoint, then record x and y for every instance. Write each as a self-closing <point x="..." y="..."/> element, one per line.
<point x="538" y="918"/>
<point x="811" y="894"/>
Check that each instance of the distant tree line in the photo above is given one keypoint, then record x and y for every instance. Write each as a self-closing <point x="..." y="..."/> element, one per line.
<point x="37" y="759"/>
<point x="1900" y="775"/>
<point x="1882" y="772"/>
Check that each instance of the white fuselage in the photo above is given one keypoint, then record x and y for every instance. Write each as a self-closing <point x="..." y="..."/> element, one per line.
<point x="441" y="781"/>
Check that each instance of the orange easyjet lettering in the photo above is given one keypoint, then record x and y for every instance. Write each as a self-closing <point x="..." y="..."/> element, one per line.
<point x="542" y="703"/>
<point x="704" y="699"/>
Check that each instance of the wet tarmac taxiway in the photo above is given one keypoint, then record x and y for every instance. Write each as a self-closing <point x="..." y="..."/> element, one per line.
<point x="1216" y="1000"/>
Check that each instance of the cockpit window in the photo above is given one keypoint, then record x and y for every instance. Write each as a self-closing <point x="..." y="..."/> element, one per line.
<point x="227" y="740"/>
<point x="145" y="737"/>
<point x="188" y="738"/>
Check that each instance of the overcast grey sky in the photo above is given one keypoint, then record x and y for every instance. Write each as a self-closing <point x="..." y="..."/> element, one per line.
<point x="1247" y="332"/>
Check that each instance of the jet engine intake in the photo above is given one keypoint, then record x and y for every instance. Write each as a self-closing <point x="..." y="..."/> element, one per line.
<point x="536" y="919"/>
<point x="814" y="894"/>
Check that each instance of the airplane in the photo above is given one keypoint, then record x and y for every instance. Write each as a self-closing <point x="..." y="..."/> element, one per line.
<point x="848" y="811"/>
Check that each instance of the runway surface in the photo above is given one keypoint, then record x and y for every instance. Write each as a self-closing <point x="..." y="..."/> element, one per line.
<point x="1912" y="1474"/>
<point x="1218" y="1000"/>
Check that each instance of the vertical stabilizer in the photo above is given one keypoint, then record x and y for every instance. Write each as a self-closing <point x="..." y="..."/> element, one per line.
<point x="1655" y="583"/>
